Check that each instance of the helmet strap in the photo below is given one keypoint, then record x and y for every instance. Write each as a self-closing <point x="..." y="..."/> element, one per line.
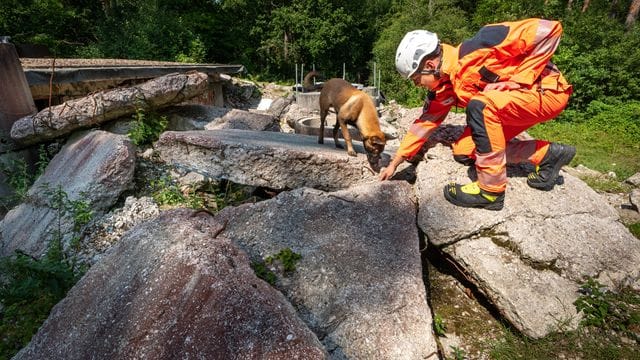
<point x="436" y="71"/>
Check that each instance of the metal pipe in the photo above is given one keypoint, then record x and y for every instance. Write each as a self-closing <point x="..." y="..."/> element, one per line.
<point x="374" y="73"/>
<point x="379" y="82"/>
<point x="295" y="84"/>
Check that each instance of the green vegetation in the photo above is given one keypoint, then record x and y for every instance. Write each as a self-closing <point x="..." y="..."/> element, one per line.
<point x="146" y="128"/>
<point x="226" y="193"/>
<point x="605" y="184"/>
<point x="165" y="192"/>
<point x="286" y="260"/>
<point x="78" y="211"/>
<point x="609" y="317"/>
<point x="213" y="196"/>
<point x="607" y="137"/>
<point x="587" y="343"/>
<point x="608" y="333"/>
<point x="262" y="271"/>
<point x="20" y="177"/>
<point x="458" y="353"/>
<point x="30" y="287"/>
<point x="439" y="325"/>
<point x="608" y="310"/>
<point x="635" y="229"/>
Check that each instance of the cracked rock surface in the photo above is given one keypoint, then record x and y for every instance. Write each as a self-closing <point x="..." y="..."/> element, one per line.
<point x="531" y="257"/>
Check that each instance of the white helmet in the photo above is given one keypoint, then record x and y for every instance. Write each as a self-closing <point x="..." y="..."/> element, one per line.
<point x="413" y="48"/>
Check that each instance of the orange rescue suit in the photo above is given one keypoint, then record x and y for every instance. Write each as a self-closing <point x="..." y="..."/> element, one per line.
<point x="511" y="51"/>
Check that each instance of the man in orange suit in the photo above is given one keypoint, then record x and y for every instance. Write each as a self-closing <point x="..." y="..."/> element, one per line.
<point x="504" y="78"/>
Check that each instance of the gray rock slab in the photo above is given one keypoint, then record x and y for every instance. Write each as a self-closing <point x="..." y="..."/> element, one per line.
<point x="564" y="235"/>
<point x="264" y="158"/>
<point x="634" y="199"/>
<point x="634" y="179"/>
<point x="94" y="166"/>
<point x="280" y="106"/>
<point x="173" y="289"/>
<point x="359" y="282"/>
<point x="107" y="105"/>
<point x="536" y="302"/>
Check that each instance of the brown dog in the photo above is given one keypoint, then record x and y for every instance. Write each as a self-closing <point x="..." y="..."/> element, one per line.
<point x="354" y="107"/>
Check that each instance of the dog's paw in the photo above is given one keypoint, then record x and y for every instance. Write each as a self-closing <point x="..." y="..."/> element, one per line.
<point x="351" y="153"/>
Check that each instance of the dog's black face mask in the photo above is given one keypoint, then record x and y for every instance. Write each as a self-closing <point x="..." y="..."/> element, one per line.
<point x="374" y="147"/>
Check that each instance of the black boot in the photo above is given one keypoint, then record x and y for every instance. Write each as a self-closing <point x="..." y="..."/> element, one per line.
<point x="472" y="196"/>
<point x="546" y="174"/>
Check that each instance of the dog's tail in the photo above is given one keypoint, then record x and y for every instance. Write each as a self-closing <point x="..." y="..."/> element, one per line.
<point x="308" y="85"/>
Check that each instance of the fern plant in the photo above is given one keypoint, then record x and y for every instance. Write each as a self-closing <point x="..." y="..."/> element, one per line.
<point x="30" y="287"/>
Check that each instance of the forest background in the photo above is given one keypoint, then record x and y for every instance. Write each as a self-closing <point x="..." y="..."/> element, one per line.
<point x="599" y="52"/>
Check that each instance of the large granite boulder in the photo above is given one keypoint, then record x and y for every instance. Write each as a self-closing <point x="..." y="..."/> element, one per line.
<point x="173" y="289"/>
<point x="530" y="258"/>
<point x="359" y="283"/>
<point x="95" y="167"/>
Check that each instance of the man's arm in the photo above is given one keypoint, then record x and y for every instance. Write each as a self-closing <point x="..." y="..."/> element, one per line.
<point x="436" y="108"/>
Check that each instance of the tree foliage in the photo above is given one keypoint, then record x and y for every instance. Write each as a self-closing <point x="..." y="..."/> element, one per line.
<point x="599" y="52"/>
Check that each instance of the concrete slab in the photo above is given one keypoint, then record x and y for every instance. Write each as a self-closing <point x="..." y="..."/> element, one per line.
<point x="265" y="158"/>
<point x="77" y="77"/>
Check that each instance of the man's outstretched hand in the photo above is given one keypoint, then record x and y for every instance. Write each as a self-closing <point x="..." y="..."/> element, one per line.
<point x="387" y="172"/>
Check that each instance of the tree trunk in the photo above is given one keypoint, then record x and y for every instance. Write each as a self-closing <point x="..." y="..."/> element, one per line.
<point x="633" y="14"/>
<point x="613" y="13"/>
<point x="569" y="3"/>
<point x="286" y="46"/>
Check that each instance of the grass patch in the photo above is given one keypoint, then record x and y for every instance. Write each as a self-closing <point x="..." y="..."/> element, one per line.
<point x="587" y="343"/>
<point x="607" y="137"/>
<point x="606" y="184"/>
<point x="635" y="229"/>
<point x="287" y="258"/>
<point x="213" y="196"/>
<point x="610" y="325"/>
